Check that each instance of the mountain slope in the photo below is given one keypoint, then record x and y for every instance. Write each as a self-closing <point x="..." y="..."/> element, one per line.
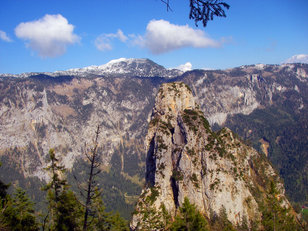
<point x="264" y="104"/>
<point x="215" y="171"/>
<point x="267" y="103"/>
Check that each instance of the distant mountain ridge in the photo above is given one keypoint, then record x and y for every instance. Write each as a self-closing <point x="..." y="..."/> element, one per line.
<point x="127" y="66"/>
<point x="121" y="66"/>
<point x="266" y="104"/>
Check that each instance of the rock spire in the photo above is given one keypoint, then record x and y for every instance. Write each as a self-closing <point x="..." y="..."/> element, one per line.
<point x="185" y="158"/>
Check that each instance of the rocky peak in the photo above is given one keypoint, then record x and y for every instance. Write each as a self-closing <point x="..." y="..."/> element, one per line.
<point x="173" y="98"/>
<point x="185" y="159"/>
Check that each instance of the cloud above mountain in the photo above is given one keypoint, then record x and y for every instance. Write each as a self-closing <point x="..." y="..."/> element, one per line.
<point x="185" y="67"/>
<point x="48" y="36"/>
<point x="301" y="58"/>
<point x="4" y="36"/>
<point x="104" y="41"/>
<point x="161" y="36"/>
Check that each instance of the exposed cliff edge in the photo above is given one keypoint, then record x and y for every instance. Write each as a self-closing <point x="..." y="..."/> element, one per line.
<point x="259" y="102"/>
<point x="214" y="171"/>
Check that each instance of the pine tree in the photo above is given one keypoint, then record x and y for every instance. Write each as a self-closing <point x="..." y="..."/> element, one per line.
<point x="189" y="218"/>
<point x="204" y="10"/>
<point x="56" y="184"/>
<point x="3" y="189"/>
<point x="95" y="216"/>
<point x="64" y="212"/>
<point x="3" y="204"/>
<point x="275" y="216"/>
<point x="69" y="212"/>
<point x="18" y="213"/>
<point x="102" y="220"/>
<point x="221" y="222"/>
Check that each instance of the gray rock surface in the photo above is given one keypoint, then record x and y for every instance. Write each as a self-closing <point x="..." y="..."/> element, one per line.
<point x="186" y="159"/>
<point x="39" y="111"/>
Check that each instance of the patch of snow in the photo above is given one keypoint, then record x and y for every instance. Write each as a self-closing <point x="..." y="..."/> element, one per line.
<point x="135" y="67"/>
<point x="296" y="88"/>
<point x="260" y="66"/>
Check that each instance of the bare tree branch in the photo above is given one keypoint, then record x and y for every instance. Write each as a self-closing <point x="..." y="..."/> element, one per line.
<point x="91" y="184"/>
<point x="167" y="4"/>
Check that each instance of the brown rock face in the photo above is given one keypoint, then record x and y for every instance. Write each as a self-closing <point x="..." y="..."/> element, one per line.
<point x="186" y="159"/>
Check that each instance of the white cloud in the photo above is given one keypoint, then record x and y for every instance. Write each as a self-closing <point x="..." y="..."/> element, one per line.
<point x="103" y="42"/>
<point x="302" y="58"/>
<point x="4" y="36"/>
<point x="162" y="36"/>
<point x="185" y="67"/>
<point x="120" y="35"/>
<point x="49" y="36"/>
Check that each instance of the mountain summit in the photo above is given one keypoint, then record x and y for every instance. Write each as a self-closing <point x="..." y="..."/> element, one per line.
<point x="214" y="171"/>
<point x="134" y="67"/>
<point x="117" y="67"/>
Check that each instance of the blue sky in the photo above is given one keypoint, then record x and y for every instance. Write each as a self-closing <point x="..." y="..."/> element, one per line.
<point x="50" y="35"/>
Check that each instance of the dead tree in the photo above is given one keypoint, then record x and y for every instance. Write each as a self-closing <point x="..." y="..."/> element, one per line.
<point x="90" y="191"/>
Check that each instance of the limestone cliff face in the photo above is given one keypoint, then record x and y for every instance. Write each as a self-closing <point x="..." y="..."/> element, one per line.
<point x="186" y="159"/>
<point x="40" y="111"/>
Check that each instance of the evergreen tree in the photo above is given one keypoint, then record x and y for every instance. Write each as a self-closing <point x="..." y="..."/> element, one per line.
<point x="204" y="10"/>
<point x="95" y="216"/>
<point x="244" y="225"/>
<point x="18" y="213"/>
<point x="275" y="216"/>
<point x="3" y="204"/>
<point x="56" y="184"/>
<point x="3" y="199"/>
<point x="102" y="220"/>
<point x="3" y="189"/>
<point x="221" y="222"/>
<point x="189" y="218"/>
<point x="64" y="212"/>
<point x="69" y="212"/>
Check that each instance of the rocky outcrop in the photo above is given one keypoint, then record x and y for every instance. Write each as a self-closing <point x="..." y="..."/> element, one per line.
<point x="185" y="158"/>
<point x="61" y="110"/>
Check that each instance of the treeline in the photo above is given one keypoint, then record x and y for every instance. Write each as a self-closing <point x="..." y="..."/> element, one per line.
<point x="274" y="217"/>
<point x="286" y="133"/>
<point x="65" y="211"/>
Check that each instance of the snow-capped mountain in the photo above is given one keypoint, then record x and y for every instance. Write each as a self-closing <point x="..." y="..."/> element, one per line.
<point x="117" y="67"/>
<point x="266" y="104"/>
